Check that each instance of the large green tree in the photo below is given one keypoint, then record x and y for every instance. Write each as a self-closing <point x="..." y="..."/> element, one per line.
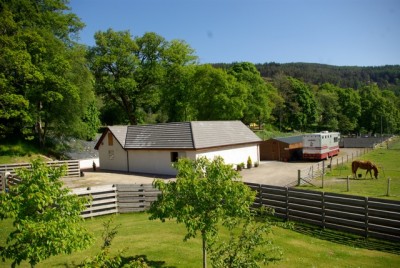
<point x="299" y="111"/>
<point x="42" y="69"/>
<point x="178" y="93"/>
<point x="46" y="216"/>
<point x="132" y="72"/>
<point x="217" y="95"/>
<point x="350" y="109"/>
<point x="328" y="107"/>
<point x="205" y="194"/>
<point x="258" y="105"/>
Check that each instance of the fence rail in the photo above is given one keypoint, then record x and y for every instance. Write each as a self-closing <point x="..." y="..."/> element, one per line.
<point x="306" y="175"/>
<point x="119" y="198"/>
<point x="367" y="216"/>
<point x="8" y="171"/>
<point x="370" y="217"/>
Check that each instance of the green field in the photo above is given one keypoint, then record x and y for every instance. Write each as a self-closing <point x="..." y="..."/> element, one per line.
<point x="387" y="159"/>
<point x="162" y="245"/>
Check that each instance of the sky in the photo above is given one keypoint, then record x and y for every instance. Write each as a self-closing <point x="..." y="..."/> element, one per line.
<point x="334" y="32"/>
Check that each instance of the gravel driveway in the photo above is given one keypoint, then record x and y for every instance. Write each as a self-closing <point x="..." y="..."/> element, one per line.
<point x="268" y="172"/>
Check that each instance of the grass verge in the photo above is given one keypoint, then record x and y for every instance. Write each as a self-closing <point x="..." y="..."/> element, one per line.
<point x="161" y="244"/>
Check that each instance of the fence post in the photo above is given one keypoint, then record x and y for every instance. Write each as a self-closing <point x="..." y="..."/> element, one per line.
<point x="323" y="173"/>
<point x="260" y="195"/>
<point x="312" y="172"/>
<point x="3" y="183"/>
<point x="348" y="183"/>
<point x="388" y="187"/>
<point x="323" y="210"/>
<point x="366" y="217"/>
<point x="298" y="177"/>
<point x="287" y="203"/>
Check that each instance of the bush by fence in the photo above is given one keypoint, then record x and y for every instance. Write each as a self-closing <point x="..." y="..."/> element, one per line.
<point x="370" y="217"/>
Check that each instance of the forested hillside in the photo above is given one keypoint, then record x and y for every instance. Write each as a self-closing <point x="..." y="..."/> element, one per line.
<point x="385" y="77"/>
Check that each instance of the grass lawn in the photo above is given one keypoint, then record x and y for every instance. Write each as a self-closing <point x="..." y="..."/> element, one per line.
<point x="387" y="161"/>
<point x="19" y="151"/>
<point x="162" y="245"/>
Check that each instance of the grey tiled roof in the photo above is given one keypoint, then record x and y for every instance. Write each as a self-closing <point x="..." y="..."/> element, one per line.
<point x="221" y="133"/>
<point x="186" y="135"/>
<point x="159" y="136"/>
<point x="120" y="133"/>
<point x="290" y="140"/>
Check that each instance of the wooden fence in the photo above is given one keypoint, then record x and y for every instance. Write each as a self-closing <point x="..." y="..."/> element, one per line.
<point x="370" y="217"/>
<point x="8" y="171"/>
<point x="306" y="175"/>
<point x="119" y="198"/>
<point x="73" y="168"/>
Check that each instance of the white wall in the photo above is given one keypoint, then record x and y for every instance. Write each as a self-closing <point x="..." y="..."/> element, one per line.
<point x="118" y="162"/>
<point x="152" y="161"/>
<point x="159" y="161"/>
<point x="234" y="154"/>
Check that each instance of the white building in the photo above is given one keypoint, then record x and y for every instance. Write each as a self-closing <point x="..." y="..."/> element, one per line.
<point x="153" y="148"/>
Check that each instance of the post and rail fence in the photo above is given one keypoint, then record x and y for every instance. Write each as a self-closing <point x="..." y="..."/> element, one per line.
<point x="306" y="175"/>
<point x="366" y="216"/>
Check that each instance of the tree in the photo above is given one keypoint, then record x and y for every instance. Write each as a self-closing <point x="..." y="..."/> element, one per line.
<point x="131" y="71"/>
<point x="300" y="108"/>
<point x="46" y="216"/>
<point x="258" y="105"/>
<point x="43" y="70"/>
<point x="244" y="250"/>
<point x="350" y="109"/>
<point x="218" y="95"/>
<point x="372" y="109"/>
<point x="204" y="194"/>
<point x="329" y="107"/>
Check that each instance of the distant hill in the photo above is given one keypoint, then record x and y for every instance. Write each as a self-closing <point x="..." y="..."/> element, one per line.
<point x="386" y="77"/>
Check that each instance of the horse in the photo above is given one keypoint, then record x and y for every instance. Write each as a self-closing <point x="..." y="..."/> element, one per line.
<point x="364" y="165"/>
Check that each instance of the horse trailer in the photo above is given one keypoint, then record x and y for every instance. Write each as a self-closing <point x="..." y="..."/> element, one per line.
<point x="319" y="146"/>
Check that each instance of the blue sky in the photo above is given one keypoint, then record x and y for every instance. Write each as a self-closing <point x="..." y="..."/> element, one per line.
<point x="335" y="32"/>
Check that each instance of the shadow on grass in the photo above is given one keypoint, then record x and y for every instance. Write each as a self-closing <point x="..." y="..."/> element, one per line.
<point x="348" y="239"/>
<point x="129" y="260"/>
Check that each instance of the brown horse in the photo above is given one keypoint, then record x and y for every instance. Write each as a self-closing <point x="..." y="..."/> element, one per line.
<point x="364" y="165"/>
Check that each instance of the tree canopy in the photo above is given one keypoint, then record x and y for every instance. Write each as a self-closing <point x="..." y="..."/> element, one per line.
<point x="46" y="216"/>
<point x="44" y="83"/>
<point x="205" y="194"/>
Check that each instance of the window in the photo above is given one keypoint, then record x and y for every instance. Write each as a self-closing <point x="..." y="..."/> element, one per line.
<point x="174" y="157"/>
<point x="111" y="154"/>
<point x="110" y="139"/>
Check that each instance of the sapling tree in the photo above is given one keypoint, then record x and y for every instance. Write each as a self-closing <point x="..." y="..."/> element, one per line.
<point x="46" y="216"/>
<point x="205" y="195"/>
<point x="248" y="244"/>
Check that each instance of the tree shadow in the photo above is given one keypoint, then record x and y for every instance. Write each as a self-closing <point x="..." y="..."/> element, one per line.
<point x="348" y="239"/>
<point x="151" y="263"/>
<point x="127" y="260"/>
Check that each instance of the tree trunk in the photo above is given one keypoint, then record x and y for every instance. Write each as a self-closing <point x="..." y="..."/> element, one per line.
<point x="204" y="250"/>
